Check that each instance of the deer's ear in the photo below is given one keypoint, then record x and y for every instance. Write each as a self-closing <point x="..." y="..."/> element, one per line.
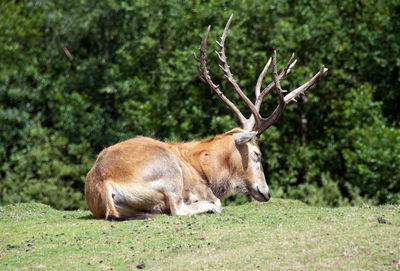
<point x="242" y="138"/>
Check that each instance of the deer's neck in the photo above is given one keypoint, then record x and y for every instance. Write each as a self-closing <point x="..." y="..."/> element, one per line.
<point x="207" y="159"/>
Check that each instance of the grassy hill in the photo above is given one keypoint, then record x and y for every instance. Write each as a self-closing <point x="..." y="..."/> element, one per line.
<point x="279" y="235"/>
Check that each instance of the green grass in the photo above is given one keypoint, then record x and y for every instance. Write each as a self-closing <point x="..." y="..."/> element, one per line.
<point x="278" y="235"/>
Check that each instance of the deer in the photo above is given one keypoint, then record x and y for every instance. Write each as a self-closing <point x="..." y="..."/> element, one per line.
<point x="140" y="177"/>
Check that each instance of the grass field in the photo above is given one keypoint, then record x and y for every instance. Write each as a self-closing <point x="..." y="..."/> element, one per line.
<point x="278" y="235"/>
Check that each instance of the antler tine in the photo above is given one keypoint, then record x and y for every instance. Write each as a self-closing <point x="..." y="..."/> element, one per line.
<point x="214" y="87"/>
<point x="300" y="90"/>
<point x="278" y="88"/>
<point x="225" y="68"/>
<point x="281" y="106"/>
<point x="271" y="86"/>
<point x="195" y="57"/>
<point x="261" y="78"/>
<point x="284" y="100"/>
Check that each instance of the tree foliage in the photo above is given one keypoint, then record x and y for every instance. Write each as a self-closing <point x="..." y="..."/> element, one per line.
<point x="78" y="76"/>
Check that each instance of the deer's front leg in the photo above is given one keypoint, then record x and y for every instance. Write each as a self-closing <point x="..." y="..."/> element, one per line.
<point x="178" y="207"/>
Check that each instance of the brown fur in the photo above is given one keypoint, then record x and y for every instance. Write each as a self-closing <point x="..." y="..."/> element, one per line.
<point x="143" y="175"/>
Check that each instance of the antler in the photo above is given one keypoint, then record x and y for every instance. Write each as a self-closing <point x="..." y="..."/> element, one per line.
<point x="207" y="78"/>
<point x="255" y="122"/>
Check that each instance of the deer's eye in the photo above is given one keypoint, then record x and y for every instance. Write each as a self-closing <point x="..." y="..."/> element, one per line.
<point x="257" y="156"/>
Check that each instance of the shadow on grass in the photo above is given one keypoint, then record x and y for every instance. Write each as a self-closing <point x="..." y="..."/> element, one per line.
<point x="236" y="200"/>
<point x="87" y="217"/>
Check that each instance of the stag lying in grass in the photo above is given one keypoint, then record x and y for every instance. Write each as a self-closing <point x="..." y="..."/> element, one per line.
<point x="143" y="176"/>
